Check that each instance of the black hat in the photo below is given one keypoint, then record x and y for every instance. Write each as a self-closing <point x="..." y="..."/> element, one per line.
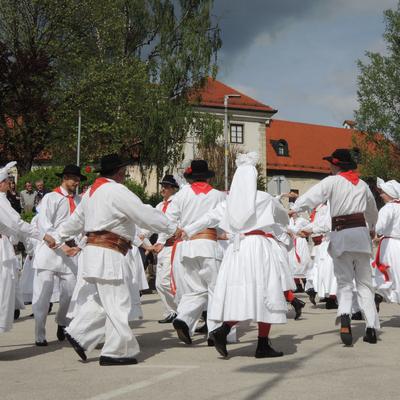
<point x="169" y="180"/>
<point x="111" y="162"/>
<point x="72" y="170"/>
<point x="198" y="170"/>
<point x="342" y="158"/>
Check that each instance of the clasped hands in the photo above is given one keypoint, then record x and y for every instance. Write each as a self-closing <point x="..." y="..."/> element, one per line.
<point x="179" y="234"/>
<point x="69" y="251"/>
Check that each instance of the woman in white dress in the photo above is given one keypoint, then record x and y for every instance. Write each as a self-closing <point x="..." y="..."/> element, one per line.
<point x="387" y="260"/>
<point x="249" y="284"/>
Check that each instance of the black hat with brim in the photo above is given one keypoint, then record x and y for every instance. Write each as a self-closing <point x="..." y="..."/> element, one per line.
<point x="198" y="170"/>
<point x="342" y="158"/>
<point x="111" y="162"/>
<point x="72" y="169"/>
<point x="169" y="180"/>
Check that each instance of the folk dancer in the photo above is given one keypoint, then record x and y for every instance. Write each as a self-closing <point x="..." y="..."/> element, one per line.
<point x="249" y="284"/>
<point x="55" y="208"/>
<point x="196" y="261"/>
<point x="108" y="213"/>
<point x="354" y="215"/>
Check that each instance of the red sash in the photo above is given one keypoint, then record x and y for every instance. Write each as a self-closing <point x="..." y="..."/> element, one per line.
<point x="295" y="251"/>
<point x="201" y="187"/>
<point x="70" y="198"/>
<point x="96" y="184"/>
<point x="383" y="268"/>
<point x="351" y="176"/>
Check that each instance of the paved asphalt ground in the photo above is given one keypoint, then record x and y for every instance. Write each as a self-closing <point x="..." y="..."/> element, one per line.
<point x="315" y="365"/>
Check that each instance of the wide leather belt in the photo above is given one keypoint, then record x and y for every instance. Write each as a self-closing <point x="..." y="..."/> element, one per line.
<point x="317" y="240"/>
<point x="209" y="234"/>
<point x="109" y="240"/>
<point x="259" y="233"/>
<point x="348" y="221"/>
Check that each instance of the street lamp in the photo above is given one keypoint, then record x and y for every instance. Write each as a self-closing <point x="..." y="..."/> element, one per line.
<point x="226" y="99"/>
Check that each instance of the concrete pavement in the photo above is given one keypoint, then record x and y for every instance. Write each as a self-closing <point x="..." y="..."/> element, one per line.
<point x="315" y="365"/>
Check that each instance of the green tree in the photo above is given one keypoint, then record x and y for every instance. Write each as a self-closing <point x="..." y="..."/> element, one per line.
<point x="379" y="103"/>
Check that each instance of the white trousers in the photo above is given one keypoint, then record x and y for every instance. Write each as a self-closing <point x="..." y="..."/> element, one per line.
<point x="7" y="297"/>
<point x="43" y="285"/>
<point x="104" y="314"/>
<point x="200" y="275"/>
<point x="355" y="266"/>
<point x="163" y="281"/>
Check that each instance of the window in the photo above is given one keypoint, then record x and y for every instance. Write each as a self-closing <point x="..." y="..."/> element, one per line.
<point x="236" y="133"/>
<point x="281" y="147"/>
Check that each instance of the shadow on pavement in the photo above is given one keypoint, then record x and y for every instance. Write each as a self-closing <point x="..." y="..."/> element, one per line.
<point x="28" y="352"/>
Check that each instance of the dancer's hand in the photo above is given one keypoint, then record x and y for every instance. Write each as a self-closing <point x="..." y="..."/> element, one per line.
<point x="158" y="247"/>
<point x="50" y="241"/>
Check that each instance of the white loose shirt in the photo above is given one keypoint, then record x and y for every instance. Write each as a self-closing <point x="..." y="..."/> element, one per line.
<point x="187" y="207"/>
<point x="344" y="198"/>
<point x="114" y="208"/>
<point x="389" y="221"/>
<point x="54" y="210"/>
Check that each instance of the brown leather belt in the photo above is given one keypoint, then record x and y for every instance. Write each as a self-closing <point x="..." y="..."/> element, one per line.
<point x="348" y="221"/>
<point x="71" y="243"/>
<point x="317" y="240"/>
<point x="109" y="240"/>
<point x="170" y="242"/>
<point x="209" y="234"/>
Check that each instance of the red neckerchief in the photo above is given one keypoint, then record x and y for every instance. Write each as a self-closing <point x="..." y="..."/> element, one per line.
<point x="380" y="266"/>
<point x="351" y="176"/>
<point x="165" y="205"/>
<point x="201" y="187"/>
<point x="96" y="184"/>
<point x="70" y="198"/>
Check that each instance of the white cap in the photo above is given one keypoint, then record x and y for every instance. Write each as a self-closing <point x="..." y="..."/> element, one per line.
<point x="391" y="188"/>
<point x="4" y="172"/>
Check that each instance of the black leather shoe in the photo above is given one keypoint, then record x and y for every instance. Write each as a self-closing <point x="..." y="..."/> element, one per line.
<point x="60" y="333"/>
<point x="50" y="308"/>
<point x="203" y="329"/>
<point x="370" y="336"/>
<point x="210" y="342"/>
<point x="167" y="320"/>
<point x="104" y="360"/>
<point x="378" y="300"/>
<point x="42" y="344"/>
<point x="357" y="316"/>
<point x="17" y="313"/>
<point x="182" y="330"/>
<point x="76" y="346"/>
<point x="298" y="305"/>
<point x="312" y="294"/>
<point x="331" y="304"/>
<point x="345" y="330"/>
<point x="218" y="336"/>
<point x="264" y="349"/>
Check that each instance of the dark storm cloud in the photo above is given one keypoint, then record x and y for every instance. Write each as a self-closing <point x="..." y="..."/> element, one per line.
<point x="242" y="21"/>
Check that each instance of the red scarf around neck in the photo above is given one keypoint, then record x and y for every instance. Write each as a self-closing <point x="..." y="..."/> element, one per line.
<point x="351" y="176"/>
<point x="96" y="184"/>
<point x="70" y="198"/>
<point x="201" y="187"/>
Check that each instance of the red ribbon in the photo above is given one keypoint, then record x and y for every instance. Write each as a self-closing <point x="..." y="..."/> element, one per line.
<point x="201" y="187"/>
<point x="313" y="213"/>
<point x="295" y="251"/>
<point x="188" y="170"/>
<point x="165" y="205"/>
<point x="70" y="198"/>
<point x="351" y="176"/>
<point x="96" y="184"/>
<point x="173" y="284"/>
<point x="383" y="268"/>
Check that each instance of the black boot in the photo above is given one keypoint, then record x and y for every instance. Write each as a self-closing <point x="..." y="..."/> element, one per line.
<point x="76" y="346"/>
<point x="370" y="336"/>
<point x="331" y="304"/>
<point x="50" y="307"/>
<point x="357" y="316"/>
<point x="299" y="288"/>
<point x="345" y="330"/>
<point x="218" y="336"/>
<point x="182" y="330"/>
<point x="204" y="328"/>
<point x="17" y="313"/>
<point x="378" y="300"/>
<point x="264" y="349"/>
<point x="312" y="294"/>
<point x="167" y="320"/>
<point x="60" y="333"/>
<point x="298" y="305"/>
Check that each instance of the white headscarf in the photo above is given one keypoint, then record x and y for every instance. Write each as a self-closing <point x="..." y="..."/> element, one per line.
<point x="392" y="188"/>
<point x="4" y="172"/>
<point x="241" y="203"/>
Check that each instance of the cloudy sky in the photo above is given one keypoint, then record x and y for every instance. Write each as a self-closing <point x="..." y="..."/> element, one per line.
<point x="299" y="56"/>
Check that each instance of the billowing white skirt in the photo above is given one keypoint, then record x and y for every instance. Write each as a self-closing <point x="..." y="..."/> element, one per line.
<point x="300" y="268"/>
<point x="325" y="280"/>
<point x="249" y="283"/>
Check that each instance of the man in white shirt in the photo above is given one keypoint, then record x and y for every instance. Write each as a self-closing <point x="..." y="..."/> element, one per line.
<point x="354" y="215"/>
<point x="108" y="213"/>
<point x="55" y="208"/>
<point x="196" y="261"/>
